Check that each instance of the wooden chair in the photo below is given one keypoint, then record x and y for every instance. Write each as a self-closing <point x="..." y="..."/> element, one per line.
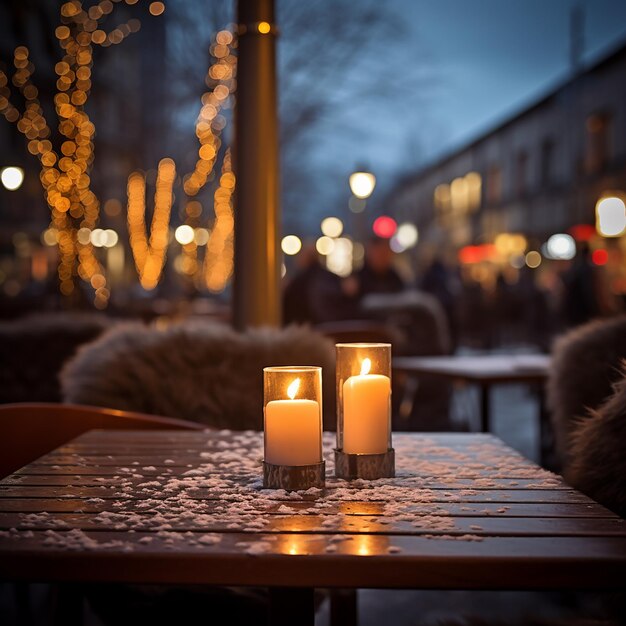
<point x="30" y="430"/>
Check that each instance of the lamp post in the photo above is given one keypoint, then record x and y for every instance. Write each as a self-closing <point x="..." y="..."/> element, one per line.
<point x="256" y="288"/>
<point x="611" y="215"/>
<point x="362" y="185"/>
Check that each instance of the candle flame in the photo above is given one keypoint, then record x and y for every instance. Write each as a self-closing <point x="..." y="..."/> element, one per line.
<point x="292" y="390"/>
<point x="366" y="366"/>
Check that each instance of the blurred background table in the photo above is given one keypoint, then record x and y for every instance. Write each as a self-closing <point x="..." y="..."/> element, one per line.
<point x="485" y="371"/>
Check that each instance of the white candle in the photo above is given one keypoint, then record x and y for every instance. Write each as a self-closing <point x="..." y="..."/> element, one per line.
<point x="366" y="412"/>
<point x="293" y="430"/>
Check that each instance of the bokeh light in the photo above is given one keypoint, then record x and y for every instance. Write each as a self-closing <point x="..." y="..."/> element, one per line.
<point x="510" y="244"/>
<point x="113" y="207"/>
<point x="98" y="237"/>
<point x="50" y="237"/>
<point x="324" y="245"/>
<point x="610" y="217"/>
<point x="339" y="259"/>
<point x="533" y="259"/>
<point x="600" y="256"/>
<point x="406" y="235"/>
<point x="184" y="234"/>
<point x="12" y="177"/>
<point x="83" y="236"/>
<point x="561" y="246"/>
<point x="362" y="184"/>
<point x="384" y="226"/>
<point x="156" y="8"/>
<point x="291" y="244"/>
<point x="332" y="227"/>
<point x="110" y="238"/>
<point x="201" y="236"/>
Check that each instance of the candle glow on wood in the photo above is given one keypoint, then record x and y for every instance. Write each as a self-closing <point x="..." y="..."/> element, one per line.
<point x="293" y="430"/>
<point x="366" y="412"/>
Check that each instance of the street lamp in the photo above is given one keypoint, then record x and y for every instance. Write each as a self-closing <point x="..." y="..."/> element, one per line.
<point x="362" y="184"/>
<point x="611" y="216"/>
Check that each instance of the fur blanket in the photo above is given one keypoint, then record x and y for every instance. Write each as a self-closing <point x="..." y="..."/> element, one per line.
<point x="598" y="452"/>
<point x="204" y="372"/>
<point x="585" y="366"/>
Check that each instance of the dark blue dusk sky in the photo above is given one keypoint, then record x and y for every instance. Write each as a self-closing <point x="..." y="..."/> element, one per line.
<point x="489" y="58"/>
<point x="496" y="55"/>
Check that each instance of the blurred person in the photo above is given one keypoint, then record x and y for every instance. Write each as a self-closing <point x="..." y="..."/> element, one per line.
<point x="504" y="310"/>
<point x="585" y="292"/>
<point x="442" y="283"/>
<point x="377" y="274"/>
<point x="474" y="312"/>
<point x="536" y="316"/>
<point x="314" y="295"/>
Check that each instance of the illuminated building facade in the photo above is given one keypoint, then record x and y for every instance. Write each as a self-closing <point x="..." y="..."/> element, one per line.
<point x="539" y="172"/>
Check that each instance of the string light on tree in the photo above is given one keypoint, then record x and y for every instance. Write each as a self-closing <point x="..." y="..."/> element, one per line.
<point x="65" y="168"/>
<point x="218" y="260"/>
<point x="149" y="253"/>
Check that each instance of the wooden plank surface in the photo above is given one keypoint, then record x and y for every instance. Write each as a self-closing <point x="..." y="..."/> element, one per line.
<point x="465" y="511"/>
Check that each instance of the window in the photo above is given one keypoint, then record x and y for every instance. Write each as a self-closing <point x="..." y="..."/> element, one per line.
<point x="494" y="185"/>
<point x="598" y="142"/>
<point x="547" y="162"/>
<point x="521" y="167"/>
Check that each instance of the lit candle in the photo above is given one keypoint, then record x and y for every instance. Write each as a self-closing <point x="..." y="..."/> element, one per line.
<point x="366" y="412"/>
<point x="292" y="430"/>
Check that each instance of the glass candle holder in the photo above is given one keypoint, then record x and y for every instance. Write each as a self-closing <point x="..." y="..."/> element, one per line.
<point x="364" y="447"/>
<point x="292" y="400"/>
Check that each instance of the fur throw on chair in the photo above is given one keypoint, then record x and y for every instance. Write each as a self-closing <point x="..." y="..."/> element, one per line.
<point x="204" y="372"/>
<point x="585" y="365"/>
<point x="598" y="452"/>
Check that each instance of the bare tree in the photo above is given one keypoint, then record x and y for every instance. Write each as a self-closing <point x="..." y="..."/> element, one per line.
<point x="332" y="57"/>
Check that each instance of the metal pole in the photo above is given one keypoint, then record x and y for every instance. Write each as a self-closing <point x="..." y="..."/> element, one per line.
<point x="256" y="295"/>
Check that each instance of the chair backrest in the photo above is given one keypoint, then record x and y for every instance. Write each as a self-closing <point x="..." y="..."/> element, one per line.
<point x="34" y="348"/>
<point x="28" y="431"/>
<point x="417" y="315"/>
<point x="585" y="365"/>
<point x="203" y="372"/>
<point x="349" y="331"/>
<point x="597" y="460"/>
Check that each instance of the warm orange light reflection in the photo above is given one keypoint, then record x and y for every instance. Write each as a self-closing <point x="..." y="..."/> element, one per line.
<point x="366" y="530"/>
<point x="295" y="546"/>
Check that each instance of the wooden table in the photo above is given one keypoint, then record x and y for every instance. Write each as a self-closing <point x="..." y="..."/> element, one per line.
<point x="464" y="512"/>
